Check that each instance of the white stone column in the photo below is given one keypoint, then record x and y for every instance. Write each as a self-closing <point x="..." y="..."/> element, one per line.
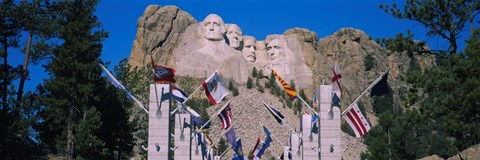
<point x="330" y="132"/>
<point x="182" y="136"/>
<point x="286" y="152"/>
<point x="296" y="148"/>
<point x="158" y="118"/>
<point x="196" y="149"/>
<point x="310" y="140"/>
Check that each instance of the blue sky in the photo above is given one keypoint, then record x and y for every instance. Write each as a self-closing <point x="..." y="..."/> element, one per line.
<point x="257" y="18"/>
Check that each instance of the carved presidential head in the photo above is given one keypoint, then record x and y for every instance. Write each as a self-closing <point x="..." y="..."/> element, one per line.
<point x="213" y="27"/>
<point x="234" y="35"/>
<point x="275" y="47"/>
<point x="249" y="48"/>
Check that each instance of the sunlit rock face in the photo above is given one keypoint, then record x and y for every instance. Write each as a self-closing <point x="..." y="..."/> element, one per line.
<point x="197" y="49"/>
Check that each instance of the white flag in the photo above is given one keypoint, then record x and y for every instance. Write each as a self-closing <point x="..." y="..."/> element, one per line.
<point x="214" y="88"/>
<point x="336" y="79"/>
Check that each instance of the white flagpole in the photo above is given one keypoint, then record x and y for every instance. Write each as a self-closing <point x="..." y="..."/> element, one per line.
<point x="211" y="117"/>
<point x="223" y="133"/>
<point x="365" y="91"/>
<point x="221" y="155"/>
<point x="198" y="88"/>
<point x="316" y="114"/>
<point x="283" y="121"/>
<point x="189" y="96"/>
<point x="139" y="104"/>
<point x="299" y="97"/>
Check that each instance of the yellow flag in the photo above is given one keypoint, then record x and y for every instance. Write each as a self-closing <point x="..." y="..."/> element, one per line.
<point x="290" y="92"/>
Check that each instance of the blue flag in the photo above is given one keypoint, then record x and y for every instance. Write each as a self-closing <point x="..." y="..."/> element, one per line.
<point x="266" y="144"/>
<point x="238" y="149"/>
<point x="198" y="122"/>
<point x="314" y="126"/>
<point x="231" y="136"/>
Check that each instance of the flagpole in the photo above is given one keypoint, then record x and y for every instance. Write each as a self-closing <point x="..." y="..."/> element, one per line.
<point x="190" y="95"/>
<point x="283" y="121"/>
<point x="316" y="114"/>
<point x="211" y="117"/>
<point x="365" y="91"/>
<point x="139" y="104"/>
<point x="224" y="152"/>
<point x="200" y="86"/>
<point x="223" y="133"/>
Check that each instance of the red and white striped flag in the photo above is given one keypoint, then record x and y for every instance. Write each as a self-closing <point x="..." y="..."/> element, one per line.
<point x="226" y="117"/>
<point x="357" y="121"/>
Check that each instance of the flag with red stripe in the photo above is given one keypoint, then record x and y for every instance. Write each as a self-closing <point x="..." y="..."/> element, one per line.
<point x="226" y="117"/>
<point x="290" y="92"/>
<point x="336" y="79"/>
<point x="214" y="88"/>
<point x="357" y="121"/>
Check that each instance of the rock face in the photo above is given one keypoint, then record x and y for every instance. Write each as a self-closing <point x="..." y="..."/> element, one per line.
<point x="158" y="31"/>
<point x="197" y="49"/>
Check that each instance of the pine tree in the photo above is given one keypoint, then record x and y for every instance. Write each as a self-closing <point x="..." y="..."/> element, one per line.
<point x="249" y="83"/>
<point x="255" y="72"/>
<point x="72" y="117"/>
<point x="442" y="18"/>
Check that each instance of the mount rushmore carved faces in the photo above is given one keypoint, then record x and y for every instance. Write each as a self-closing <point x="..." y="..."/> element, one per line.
<point x="248" y="50"/>
<point x="213" y="27"/>
<point x="234" y="35"/>
<point x="275" y="49"/>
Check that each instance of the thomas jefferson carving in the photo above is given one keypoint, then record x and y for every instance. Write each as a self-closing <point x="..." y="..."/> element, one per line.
<point x="234" y="36"/>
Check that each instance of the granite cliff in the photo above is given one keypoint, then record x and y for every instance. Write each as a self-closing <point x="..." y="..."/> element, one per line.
<point x="196" y="49"/>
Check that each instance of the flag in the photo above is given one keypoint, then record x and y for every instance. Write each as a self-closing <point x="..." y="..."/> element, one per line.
<point x="357" y="121"/>
<point x="188" y="110"/>
<point x="314" y="98"/>
<point x="238" y="148"/>
<point x="202" y="142"/>
<point x="198" y="122"/>
<point x="381" y="87"/>
<point x="162" y="73"/>
<point x="230" y="135"/>
<point x="119" y="85"/>
<point x="256" y="149"/>
<point x="290" y="92"/>
<point x="214" y="88"/>
<point x="276" y="114"/>
<point x="266" y="144"/>
<point x="336" y="79"/>
<point x="226" y="117"/>
<point x="178" y="94"/>
<point x="335" y="100"/>
<point x="314" y="126"/>
<point x="186" y="125"/>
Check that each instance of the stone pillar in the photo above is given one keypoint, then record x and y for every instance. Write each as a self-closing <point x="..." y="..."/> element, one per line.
<point x="296" y="148"/>
<point x="286" y="152"/>
<point x="158" y="118"/>
<point x="310" y="140"/>
<point x="195" y="150"/>
<point x="182" y="136"/>
<point x="330" y="132"/>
